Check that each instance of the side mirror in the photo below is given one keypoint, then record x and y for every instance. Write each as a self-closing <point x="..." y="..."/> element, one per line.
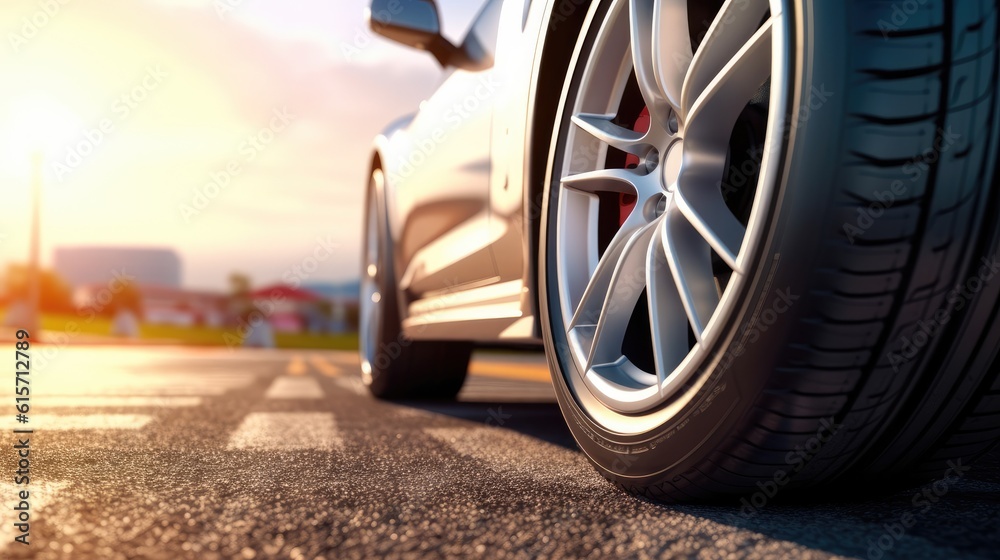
<point x="414" y="23"/>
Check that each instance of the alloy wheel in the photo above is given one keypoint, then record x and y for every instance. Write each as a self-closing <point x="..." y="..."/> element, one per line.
<point x="668" y="240"/>
<point x="371" y="296"/>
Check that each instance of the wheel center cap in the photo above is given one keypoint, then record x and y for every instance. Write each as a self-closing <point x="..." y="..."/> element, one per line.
<point x="671" y="168"/>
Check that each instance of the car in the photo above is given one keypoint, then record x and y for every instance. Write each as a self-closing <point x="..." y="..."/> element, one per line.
<point x="756" y="238"/>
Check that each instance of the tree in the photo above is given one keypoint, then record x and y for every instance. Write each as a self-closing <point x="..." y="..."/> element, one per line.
<point x="240" y="304"/>
<point x="239" y="284"/>
<point x="55" y="295"/>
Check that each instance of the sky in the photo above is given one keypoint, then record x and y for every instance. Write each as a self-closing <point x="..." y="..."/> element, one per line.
<point x="236" y="132"/>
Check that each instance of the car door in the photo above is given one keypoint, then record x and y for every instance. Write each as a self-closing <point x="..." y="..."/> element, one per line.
<point x="445" y="242"/>
<point x="515" y="62"/>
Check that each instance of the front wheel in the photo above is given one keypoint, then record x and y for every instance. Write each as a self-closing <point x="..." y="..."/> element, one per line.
<point x="392" y="365"/>
<point x="768" y="240"/>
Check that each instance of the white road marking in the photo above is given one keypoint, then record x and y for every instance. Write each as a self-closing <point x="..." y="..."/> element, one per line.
<point x="284" y="431"/>
<point x="512" y="453"/>
<point x="294" y="388"/>
<point x="408" y="412"/>
<point x="352" y="384"/>
<point x="54" y="422"/>
<point x="136" y="390"/>
<point x="97" y="401"/>
<point x="142" y="385"/>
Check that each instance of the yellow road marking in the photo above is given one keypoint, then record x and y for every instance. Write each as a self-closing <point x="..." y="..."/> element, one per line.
<point x="297" y="366"/>
<point x="526" y="372"/>
<point x="325" y="367"/>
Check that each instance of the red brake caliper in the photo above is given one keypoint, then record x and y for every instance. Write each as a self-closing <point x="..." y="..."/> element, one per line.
<point x="626" y="201"/>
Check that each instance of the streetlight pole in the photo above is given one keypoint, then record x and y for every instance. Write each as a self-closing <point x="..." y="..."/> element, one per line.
<point x="34" y="272"/>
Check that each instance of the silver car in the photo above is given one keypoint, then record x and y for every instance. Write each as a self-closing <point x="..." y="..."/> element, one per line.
<point x="757" y="238"/>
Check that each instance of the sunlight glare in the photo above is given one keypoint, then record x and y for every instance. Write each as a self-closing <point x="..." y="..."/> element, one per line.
<point x="33" y="125"/>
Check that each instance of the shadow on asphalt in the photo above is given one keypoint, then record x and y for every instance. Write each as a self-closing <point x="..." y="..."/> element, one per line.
<point x="875" y="523"/>
<point x="957" y="517"/>
<point x="542" y="421"/>
<point x="944" y="518"/>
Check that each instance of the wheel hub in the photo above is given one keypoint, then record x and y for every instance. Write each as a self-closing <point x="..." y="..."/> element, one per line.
<point x="670" y="171"/>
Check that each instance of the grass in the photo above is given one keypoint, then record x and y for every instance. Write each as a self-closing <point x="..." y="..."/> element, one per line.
<point x="196" y="335"/>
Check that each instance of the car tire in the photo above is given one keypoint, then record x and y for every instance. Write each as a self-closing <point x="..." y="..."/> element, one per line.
<point x="852" y="333"/>
<point x="394" y="366"/>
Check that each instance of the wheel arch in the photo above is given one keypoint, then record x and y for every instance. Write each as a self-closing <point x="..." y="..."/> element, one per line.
<point x="559" y="35"/>
<point x="377" y="162"/>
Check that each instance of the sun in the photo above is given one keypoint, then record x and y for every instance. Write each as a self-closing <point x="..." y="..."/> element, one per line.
<point x="36" y="125"/>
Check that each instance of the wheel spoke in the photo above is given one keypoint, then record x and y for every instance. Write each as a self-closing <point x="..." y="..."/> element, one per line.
<point x="700" y="201"/>
<point x="661" y="51"/>
<point x="691" y="266"/>
<point x="589" y="310"/>
<point x="710" y="118"/>
<point x="706" y="142"/>
<point x="604" y="180"/>
<point x="627" y="284"/>
<point x="732" y="28"/>
<point x="601" y="127"/>
<point x="669" y="335"/>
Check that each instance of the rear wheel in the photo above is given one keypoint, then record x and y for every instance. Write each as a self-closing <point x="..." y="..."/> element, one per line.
<point x="393" y="366"/>
<point x="754" y="210"/>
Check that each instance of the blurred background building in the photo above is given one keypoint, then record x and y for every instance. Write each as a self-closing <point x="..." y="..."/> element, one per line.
<point x="98" y="265"/>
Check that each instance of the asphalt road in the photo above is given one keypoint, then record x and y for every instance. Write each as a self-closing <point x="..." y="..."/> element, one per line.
<point x="179" y="453"/>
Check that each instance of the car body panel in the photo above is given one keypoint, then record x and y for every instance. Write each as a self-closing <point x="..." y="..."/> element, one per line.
<point x="455" y="180"/>
<point x="437" y="177"/>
